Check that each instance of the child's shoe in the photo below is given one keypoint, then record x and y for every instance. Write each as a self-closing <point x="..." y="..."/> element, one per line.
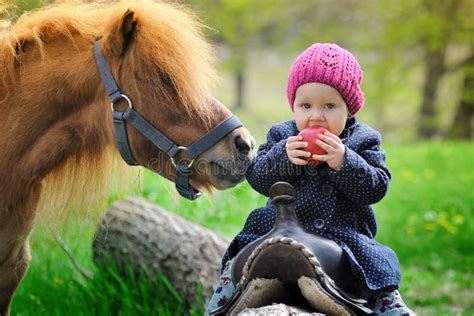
<point x="390" y="303"/>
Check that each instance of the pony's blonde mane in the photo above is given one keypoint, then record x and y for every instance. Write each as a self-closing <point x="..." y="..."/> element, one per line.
<point x="170" y="39"/>
<point x="170" y="36"/>
<point x="81" y="188"/>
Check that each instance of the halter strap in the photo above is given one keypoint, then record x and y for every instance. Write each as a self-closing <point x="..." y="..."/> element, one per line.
<point x="107" y="77"/>
<point x="154" y="135"/>
<point x="121" y="138"/>
<point x="130" y="116"/>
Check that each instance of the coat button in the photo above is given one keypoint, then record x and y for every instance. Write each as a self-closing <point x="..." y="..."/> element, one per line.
<point x="327" y="189"/>
<point x="319" y="223"/>
<point x="303" y="182"/>
<point x="361" y="172"/>
<point x="324" y="172"/>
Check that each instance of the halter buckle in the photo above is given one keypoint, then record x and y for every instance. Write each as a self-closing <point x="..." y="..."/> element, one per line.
<point x="182" y="148"/>
<point x="126" y="99"/>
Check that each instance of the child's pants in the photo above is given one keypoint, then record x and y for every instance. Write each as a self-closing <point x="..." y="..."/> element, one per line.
<point x="224" y="289"/>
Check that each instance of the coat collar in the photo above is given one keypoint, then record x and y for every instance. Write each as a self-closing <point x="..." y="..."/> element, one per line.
<point x="350" y="125"/>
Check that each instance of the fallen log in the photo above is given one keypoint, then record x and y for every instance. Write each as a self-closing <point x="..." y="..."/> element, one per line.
<point x="142" y="235"/>
<point x="278" y="309"/>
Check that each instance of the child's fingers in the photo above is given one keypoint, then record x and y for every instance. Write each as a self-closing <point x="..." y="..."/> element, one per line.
<point x="329" y="135"/>
<point x="327" y="146"/>
<point x="300" y="145"/>
<point x="299" y="153"/>
<point x="321" y="157"/>
<point x="299" y="161"/>
<point x="296" y="145"/>
<point x="293" y="139"/>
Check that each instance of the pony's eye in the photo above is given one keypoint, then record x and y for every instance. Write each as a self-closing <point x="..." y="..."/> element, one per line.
<point x="19" y="48"/>
<point x="165" y="79"/>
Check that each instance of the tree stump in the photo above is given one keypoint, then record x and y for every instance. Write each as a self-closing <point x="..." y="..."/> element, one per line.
<point x="278" y="309"/>
<point x="142" y="235"/>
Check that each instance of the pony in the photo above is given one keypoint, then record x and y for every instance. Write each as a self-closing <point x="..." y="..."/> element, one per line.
<point x="57" y="134"/>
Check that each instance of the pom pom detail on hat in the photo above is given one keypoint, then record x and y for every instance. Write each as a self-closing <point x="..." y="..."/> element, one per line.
<point x="332" y="65"/>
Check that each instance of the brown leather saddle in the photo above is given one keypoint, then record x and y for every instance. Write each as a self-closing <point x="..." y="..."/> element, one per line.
<point x="289" y="265"/>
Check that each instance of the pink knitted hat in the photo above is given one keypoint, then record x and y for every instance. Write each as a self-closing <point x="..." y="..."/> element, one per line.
<point x="331" y="65"/>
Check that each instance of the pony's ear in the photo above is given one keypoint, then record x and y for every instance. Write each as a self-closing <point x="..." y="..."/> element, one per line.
<point x="121" y="34"/>
<point x="129" y="24"/>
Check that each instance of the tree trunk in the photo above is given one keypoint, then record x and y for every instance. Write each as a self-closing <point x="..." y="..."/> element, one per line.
<point x="240" y="50"/>
<point x="428" y="124"/>
<point x="463" y="123"/>
<point x="141" y="235"/>
<point x="240" y="88"/>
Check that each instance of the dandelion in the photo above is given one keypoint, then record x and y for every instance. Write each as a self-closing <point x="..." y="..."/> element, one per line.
<point x="430" y="215"/>
<point x="428" y="174"/>
<point x="408" y="175"/>
<point x="453" y="230"/>
<point x="458" y="219"/>
<point x="58" y="281"/>
<point x="443" y="216"/>
<point x="429" y="226"/>
<point x="450" y="228"/>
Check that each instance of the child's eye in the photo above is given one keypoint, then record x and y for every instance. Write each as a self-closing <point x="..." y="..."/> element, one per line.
<point x="306" y="106"/>
<point x="328" y="106"/>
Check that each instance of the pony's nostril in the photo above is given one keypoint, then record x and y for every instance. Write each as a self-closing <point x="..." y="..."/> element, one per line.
<point x="241" y="145"/>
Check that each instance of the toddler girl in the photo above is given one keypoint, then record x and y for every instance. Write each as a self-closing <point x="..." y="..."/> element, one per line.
<point x="334" y="198"/>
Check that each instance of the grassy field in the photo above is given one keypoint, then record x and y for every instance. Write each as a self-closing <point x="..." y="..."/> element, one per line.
<point x="426" y="218"/>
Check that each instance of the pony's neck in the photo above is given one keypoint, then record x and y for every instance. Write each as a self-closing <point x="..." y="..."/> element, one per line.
<point x="55" y="113"/>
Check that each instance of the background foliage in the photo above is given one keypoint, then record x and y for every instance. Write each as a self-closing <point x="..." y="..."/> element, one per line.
<point x="417" y="56"/>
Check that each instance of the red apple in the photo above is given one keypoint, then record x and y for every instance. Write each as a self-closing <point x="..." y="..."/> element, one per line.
<point x="310" y="135"/>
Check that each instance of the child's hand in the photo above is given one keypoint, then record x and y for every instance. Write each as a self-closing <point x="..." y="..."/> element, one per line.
<point x="295" y="153"/>
<point x="335" y="150"/>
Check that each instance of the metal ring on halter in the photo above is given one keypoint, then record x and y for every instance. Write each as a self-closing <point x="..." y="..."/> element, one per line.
<point x="126" y="99"/>
<point x="184" y="149"/>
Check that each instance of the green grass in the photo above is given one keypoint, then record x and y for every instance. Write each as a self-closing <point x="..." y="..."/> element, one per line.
<point x="426" y="218"/>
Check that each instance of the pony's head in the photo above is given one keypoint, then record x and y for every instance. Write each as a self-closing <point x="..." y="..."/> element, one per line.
<point x="163" y="63"/>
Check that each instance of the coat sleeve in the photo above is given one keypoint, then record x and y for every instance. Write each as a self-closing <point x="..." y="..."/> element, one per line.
<point x="364" y="177"/>
<point x="272" y="163"/>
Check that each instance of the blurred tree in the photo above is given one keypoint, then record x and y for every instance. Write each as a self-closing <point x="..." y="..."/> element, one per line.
<point x="432" y="27"/>
<point x="324" y="21"/>
<point x="241" y="26"/>
<point x="463" y="123"/>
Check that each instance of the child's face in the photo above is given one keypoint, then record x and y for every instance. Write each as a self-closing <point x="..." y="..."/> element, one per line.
<point x="320" y="104"/>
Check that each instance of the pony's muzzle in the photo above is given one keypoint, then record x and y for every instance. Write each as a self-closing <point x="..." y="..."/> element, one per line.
<point x="242" y="143"/>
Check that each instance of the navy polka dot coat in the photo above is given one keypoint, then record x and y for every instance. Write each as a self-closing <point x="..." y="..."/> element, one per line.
<point x="333" y="204"/>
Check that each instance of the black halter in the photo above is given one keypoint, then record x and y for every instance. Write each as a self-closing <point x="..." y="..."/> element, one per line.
<point x="183" y="171"/>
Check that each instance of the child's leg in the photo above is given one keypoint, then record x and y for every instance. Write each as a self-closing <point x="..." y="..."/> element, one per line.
<point x="390" y="303"/>
<point x="224" y="289"/>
